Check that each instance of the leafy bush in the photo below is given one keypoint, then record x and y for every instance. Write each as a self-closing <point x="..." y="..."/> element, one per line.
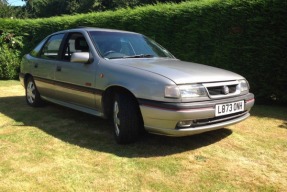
<point x="245" y="36"/>
<point x="9" y="55"/>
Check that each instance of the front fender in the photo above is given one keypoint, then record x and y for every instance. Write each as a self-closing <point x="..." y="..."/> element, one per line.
<point x="142" y="84"/>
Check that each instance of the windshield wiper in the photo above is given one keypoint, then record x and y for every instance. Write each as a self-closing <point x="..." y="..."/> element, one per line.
<point x="139" y="56"/>
<point x="132" y="56"/>
<point x="108" y="58"/>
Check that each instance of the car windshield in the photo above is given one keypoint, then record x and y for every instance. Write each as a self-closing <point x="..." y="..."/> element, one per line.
<point x="116" y="45"/>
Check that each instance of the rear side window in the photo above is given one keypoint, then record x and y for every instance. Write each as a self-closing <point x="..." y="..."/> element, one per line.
<point x="52" y="46"/>
<point x="36" y="50"/>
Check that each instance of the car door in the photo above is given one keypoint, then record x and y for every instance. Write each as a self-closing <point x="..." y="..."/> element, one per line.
<point x="44" y="65"/>
<point x="75" y="81"/>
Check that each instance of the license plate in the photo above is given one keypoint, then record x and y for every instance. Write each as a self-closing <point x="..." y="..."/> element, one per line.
<point x="229" y="108"/>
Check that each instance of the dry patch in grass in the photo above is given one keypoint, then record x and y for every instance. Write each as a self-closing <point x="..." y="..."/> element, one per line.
<point x="58" y="149"/>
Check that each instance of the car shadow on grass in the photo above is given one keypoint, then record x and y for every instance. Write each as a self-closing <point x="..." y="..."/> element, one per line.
<point x="270" y="111"/>
<point x="94" y="133"/>
<point x="284" y="125"/>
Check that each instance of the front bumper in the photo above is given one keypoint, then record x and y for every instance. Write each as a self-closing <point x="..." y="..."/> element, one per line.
<point x="162" y="118"/>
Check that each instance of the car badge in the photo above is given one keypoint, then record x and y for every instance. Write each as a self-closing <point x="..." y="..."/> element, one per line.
<point x="225" y="90"/>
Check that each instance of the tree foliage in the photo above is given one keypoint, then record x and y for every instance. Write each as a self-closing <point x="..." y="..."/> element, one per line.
<point x="7" y="11"/>
<point x="48" y="8"/>
<point x="3" y="2"/>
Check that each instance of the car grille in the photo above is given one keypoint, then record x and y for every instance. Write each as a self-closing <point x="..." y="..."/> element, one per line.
<point x="220" y="90"/>
<point x="218" y="119"/>
<point x="214" y="120"/>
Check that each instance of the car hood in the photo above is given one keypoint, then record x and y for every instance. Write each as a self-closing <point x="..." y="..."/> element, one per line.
<point x="181" y="72"/>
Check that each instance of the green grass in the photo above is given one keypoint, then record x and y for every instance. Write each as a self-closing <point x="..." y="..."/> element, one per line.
<point x="57" y="149"/>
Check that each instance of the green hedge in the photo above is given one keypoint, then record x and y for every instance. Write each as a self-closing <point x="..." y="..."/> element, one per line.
<point x="245" y="36"/>
<point x="10" y="46"/>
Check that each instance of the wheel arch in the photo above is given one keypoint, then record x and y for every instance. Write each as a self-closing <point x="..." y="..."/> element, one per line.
<point x="26" y="77"/>
<point x="108" y="98"/>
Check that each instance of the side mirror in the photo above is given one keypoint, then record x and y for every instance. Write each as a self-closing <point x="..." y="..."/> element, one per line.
<point x="80" y="57"/>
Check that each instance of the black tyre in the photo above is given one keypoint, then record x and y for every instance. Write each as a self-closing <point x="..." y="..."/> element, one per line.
<point x="127" y="119"/>
<point x="32" y="95"/>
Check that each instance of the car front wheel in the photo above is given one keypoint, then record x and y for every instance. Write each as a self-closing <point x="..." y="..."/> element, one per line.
<point x="32" y="95"/>
<point x="127" y="119"/>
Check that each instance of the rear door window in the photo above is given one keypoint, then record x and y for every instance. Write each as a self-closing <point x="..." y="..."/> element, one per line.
<point x="52" y="47"/>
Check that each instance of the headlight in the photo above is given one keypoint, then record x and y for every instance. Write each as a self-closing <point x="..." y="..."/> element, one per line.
<point x="185" y="91"/>
<point x="172" y="91"/>
<point x="244" y="86"/>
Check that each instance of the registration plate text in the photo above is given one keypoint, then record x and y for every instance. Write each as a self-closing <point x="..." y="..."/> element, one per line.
<point x="229" y="108"/>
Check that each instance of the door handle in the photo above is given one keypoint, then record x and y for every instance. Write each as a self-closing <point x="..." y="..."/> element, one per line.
<point x="36" y="65"/>
<point x="59" y="68"/>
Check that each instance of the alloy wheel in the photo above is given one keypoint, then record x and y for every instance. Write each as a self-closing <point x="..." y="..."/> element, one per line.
<point x="31" y="92"/>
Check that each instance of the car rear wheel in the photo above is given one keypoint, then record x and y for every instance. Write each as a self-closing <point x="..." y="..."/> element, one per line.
<point x="126" y="118"/>
<point x="32" y="95"/>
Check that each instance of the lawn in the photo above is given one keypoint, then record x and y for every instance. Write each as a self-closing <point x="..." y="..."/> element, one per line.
<point x="57" y="149"/>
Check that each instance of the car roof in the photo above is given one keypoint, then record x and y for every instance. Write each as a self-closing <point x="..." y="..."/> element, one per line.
<point x="93" y="29"/>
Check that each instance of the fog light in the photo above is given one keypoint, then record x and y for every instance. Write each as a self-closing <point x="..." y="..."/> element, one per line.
<point x="186" y="123"/>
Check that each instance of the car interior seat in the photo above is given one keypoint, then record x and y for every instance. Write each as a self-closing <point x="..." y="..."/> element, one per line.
<point x="81" y="44"/>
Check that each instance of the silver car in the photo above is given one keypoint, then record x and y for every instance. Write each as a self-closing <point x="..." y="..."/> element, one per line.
<point x="132" y="80"/>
